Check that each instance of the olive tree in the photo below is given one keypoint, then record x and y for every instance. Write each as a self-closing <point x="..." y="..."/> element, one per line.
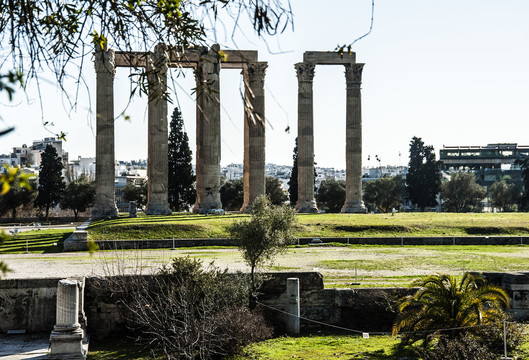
<point x="268" y="231"/>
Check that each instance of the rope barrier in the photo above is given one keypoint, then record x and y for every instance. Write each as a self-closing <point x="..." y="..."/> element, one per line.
<point x="374" y="332"/>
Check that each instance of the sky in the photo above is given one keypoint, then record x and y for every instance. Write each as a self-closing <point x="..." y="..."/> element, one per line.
<point x="451" y="72"/>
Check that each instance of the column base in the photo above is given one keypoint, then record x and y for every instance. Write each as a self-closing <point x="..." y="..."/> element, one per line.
<point x="209" y="206"/>
<point x="354" y="207"/>
<point x="307" y="206"/>
<point x="158" y="209"/>
<point x="103" y="211"/>
<point x="68" y="345"/>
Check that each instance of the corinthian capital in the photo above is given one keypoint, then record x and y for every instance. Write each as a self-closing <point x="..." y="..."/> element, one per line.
<point x="159" y="58"/>
<point x="305" y="71"/>
<point x="256" y="71"/>
<point x="353" y="73"/>
<point x="104" y="61"/>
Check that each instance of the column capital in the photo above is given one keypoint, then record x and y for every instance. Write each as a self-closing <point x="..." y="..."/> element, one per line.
<point x="256" y="71"/>
<point x="157" y="63"/>
<point x="104" y="61"/>
<point x="353" y="73"/>
<point x="305" y="71"/>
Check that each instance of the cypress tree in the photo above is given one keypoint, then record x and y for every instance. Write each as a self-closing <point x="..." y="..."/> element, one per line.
<point x="181" y="190"/>
<point x="423" y="179"/>
<point x="51" y="183"/>
<point x="293" y="182"/>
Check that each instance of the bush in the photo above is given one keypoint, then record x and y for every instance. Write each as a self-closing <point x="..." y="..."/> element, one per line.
<point x="492" y="336"/>
<point x="462" y="348"/>
<point x="187" y="312"/>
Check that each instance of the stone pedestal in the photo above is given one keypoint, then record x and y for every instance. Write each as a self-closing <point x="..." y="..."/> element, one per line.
<point x="306" y="202"/>
<point x="207" y="75"/>
<point x="77" y="241"/>
<point x="105" y="202"/>
<point x="254" y="133"/>
<point x="157" y="198"/>
<point x="293" y="308"/>
<point x="353" y="141"/>
<point x="67" y="336"/>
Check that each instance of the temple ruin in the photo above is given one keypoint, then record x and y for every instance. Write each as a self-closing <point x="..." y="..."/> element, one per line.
<point x="207" y="64"/>
<point x="353" y="135"/>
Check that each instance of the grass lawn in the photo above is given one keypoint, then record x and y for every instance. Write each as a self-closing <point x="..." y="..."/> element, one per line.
<point x="193" y="226"/>
<point x="308" y="347"/>
<point x="36" y="241"/>
<point x="344" y="347"/>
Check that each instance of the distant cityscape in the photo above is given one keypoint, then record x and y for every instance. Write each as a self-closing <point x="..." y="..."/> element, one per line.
<point x="490" y="163"/>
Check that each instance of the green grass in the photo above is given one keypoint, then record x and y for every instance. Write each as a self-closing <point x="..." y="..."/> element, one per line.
<point x="340" y="347"/>
<point x="326" y="347"/>
<point x="307" y="347"/>
<point x="36" y="241"/>
<point x="193" y="226"/>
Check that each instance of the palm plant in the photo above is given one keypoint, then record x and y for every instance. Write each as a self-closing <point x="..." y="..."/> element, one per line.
<point x="442" y="303"/>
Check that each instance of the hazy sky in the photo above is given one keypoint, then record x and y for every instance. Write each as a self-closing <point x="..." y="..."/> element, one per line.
<point x="453" y="72"/>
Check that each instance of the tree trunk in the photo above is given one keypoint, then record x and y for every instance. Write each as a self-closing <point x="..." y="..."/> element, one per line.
<point x="253" y="297"/>
<point x="47" y="211"/>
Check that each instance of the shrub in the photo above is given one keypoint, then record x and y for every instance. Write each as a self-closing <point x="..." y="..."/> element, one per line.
<point x="461" y="348"/>
<point x="187" y="312"/>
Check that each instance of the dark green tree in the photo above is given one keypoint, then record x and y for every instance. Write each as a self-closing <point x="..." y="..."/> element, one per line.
<point x="293" y="182"/>
<point x="79" y="195"/>
<point x="274" y="191"/>
<point x="524" y="166"/>
<point x="136" y="192"/>
<point x="423" y="179"/>
<point x="181" y="192"/>
<point x="385" y="194"/>
<point x="51" y="183"/>
<point x="17" y="197"/>
<point x="331" y="195"/>
<point x="461" y="193"/>
<point x="504" y="196"/>
<point x="232" y="195"/>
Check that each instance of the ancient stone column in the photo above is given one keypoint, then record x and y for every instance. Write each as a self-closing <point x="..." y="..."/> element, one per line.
<point x="207" y="75"/>
<point x="67" y="336"/>
<point x="254" y="133"/>
<point x="306" y="202"/>
<point x="157" y="200"/>
<point x="105" y="202"/>
<point x="353" y="141"/>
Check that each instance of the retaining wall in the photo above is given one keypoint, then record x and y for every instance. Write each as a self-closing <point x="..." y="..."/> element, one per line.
<point x="402" y="241"/>
<point x="30" y="304"/>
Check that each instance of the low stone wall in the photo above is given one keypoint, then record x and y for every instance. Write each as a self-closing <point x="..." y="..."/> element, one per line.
<point x="402" y="241"/>
<point x="30" y="304"/>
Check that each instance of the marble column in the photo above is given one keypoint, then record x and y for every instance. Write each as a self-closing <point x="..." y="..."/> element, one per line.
<point x="105" y="202"/>
<point x="306" y="202"/>
<point x="157" y="200"/>
<point x="66" y="340"/>
<point x="254" y="133"/>
<point x="353" y="141"/>
<point x="207" y="74"/>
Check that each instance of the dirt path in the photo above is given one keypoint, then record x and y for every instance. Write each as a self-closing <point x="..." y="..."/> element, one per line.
<point x="336" y="264"/>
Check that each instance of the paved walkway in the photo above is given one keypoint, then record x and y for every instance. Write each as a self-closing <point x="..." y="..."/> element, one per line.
<point x="17" y="347"/>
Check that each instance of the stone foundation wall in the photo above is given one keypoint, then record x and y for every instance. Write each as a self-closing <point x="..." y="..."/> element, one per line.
<point x="30" y="304"/>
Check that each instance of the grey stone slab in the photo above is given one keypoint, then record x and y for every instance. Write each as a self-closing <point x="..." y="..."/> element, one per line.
<point x="14" y="347"/>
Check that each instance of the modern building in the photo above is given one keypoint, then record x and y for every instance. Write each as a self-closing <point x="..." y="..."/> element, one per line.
<point x="491" y="163"/>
